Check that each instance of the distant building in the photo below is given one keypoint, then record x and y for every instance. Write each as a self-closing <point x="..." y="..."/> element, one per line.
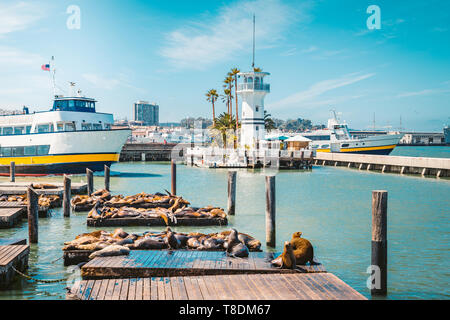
<point x="423" y="138"/>
<point x="146" y="113"/>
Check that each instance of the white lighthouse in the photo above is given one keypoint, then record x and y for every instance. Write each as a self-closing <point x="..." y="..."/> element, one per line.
<point x="252" y="90"/>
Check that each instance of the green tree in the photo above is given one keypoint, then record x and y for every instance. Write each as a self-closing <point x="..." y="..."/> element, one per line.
<point x="269" y="124"/>
<point x="224" y="126"/>
<point x="234" y="72"/>
<point x="212" y="96"/>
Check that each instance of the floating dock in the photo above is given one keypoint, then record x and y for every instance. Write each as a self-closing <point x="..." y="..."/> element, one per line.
<point x="12" y="256"/>
<point x="437" y="167"/>
<point x="138" y="221"/>
<point x="9" y="217"/>
<point x="293" y="286"/>
<point x="165" y="263"/>
<point x="43" y="211"/>
<point x="20" y="187"/>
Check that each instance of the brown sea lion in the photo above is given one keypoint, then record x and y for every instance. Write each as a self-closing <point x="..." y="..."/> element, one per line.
<point x="112" y="250"/>
<point x="303" y="249"/>
<point x="171" y="241"/>
<point x="148" y="243"/>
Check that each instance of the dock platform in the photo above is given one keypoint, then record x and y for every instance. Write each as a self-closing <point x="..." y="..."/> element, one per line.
<point x="282" y="286"/>
<point x="20" y="187"/>
<point x="165" y="263"/>
<point x="12" y="256"/>
<point x="9" y="217"/>
<point x="123" y="222"/>
<point x="43" y="211"/>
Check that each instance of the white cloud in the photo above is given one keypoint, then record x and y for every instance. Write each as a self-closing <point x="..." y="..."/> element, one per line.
<point x="310" y="49"/>
<point x="18" y="16"/>
<point x="317" y="89"/>
<point x="228" y="34"/>
<point x="101" y="81"/>
<point x="424" y="92"/>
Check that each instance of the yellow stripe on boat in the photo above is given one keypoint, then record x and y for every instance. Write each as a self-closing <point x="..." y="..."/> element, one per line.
<point x="368" y="148"/>
<point x="60" y="159"/>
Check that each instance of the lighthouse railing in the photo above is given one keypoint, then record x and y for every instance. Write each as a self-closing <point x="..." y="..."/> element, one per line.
<point x="254" y="87"/>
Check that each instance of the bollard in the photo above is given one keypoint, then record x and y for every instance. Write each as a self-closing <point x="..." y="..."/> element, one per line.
<point x="90" y="181"/>
<point x="107" y="177"/>
<point x="379" y="238"/>
<point x="231" y="192"/>
<point x="174" y="177"/>
<point x="12" y="171"/>
<point x="270" y="211"/>
<point x="32" y="209"/>
<point x="66" y="196"/>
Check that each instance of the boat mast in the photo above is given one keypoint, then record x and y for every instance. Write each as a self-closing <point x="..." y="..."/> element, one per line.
<point x="253" y="61"/>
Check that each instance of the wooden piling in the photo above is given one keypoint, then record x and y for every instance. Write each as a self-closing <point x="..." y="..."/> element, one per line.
<point x="66" y="196"/>
<point x="379" y="240"/>
<point x="174" y="177"/>
<point x="90" y="181"/>
<point x="32" y="209"/>
<point x="270" y="211"/>
<point x="107" y="177"/>
<point x="231" y="192"/>
<point x="12" y="171"/>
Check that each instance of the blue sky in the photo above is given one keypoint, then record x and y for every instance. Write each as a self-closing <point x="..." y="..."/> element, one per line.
<point x="320" y="54"/>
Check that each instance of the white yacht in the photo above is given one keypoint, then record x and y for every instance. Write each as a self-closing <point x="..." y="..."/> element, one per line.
<point x="336" y="138"/>
<point x="69" y="138"/>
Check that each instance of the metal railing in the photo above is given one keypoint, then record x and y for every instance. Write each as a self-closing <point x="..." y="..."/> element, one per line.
<point x="254" y="86"/>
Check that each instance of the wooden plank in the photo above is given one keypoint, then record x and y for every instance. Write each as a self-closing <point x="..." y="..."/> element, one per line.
<point x="140" y="289"/>
<point x="95" y="290"/>
<point x="103" y="289"/>
<point x="192" y="288"/>
<point x="181" y="288"/>
<point x="154" y="289"/>
<point x="117" y="287"/>
<point x="146" y="295"/>
<point x="124" y="290"/>
<point x="300" y="282"/>
<point x="109" y="289"/>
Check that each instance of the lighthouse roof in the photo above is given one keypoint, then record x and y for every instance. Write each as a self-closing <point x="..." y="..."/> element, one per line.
<point x="253" y="73"/>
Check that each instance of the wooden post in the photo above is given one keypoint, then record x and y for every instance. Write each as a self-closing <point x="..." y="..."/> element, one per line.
<point x="32" y="209"/>
<point x="107" y="177"/>
<point x="379" y="239"/>
<point x="12" y="171"/>
<point x="66" y="196"/>
<point x="231" y="192"/>
<point x="90" y="181"/>
<point x="174" y="177"/>
<point x="270" y="211"/>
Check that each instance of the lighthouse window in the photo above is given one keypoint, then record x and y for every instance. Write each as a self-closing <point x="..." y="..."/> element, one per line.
<point x="257" y="128"/>
<point x="257" y="108"/>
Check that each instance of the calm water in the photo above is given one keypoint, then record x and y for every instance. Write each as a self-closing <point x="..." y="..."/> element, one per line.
<point x="425" y="151"/>
<point x="331" y="206"/>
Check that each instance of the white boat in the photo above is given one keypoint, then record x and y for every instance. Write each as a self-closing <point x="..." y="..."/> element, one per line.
<point x="336" y="138"/>
<point x="69" y="138"/>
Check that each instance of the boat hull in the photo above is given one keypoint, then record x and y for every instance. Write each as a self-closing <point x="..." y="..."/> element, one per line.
<point x="371" y="145"/>
<point x="69" y="152"/>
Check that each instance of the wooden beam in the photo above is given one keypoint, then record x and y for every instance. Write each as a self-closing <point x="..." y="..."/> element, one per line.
<point x="270" y="211"/>
<point x="66" y="196"/>
<point x="379" y="240"/>
<point x="231" y="192"/>
<point x="32" y="210"/>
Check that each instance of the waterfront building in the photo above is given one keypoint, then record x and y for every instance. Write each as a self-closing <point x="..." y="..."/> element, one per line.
<point x="145" y="113"/>
<point x="423" y="138"/>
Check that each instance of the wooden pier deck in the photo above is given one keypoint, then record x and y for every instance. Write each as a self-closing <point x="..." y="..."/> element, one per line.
<point x="165" y="263"/>
<point x="9" y="217"/>
<point x="281" y="286"/>
<point x="20" y="187"/>
<point x="435" y="167"/>
<point x="43" y="211"/>
<point x="122" y="222"/>
<point x="12" y="256"/>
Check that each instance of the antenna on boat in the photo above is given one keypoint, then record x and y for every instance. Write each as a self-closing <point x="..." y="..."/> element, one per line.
<point x="253" y="61"/>
<point x="72" y="86"/>
<point x="53" y="75"/>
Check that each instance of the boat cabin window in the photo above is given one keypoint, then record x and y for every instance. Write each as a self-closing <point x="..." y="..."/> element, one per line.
<point x="7" y="131"/>
<point x="6" y="152"/>
<point x="24" y="151"/>
<point x="79" y="105"/>
<point x="69" y="127"/>
<point x="345" y="145"/>
<point x="97" y="126"/>
<point x="60" y="127"/>
<point x="107" y="126"/>
<point x="325" y="146"/>
<point x="30" y="151"/>
<point x="86" y="126"/>
<point x="43" y="128"/>
<point x="18" y="130"/>
<point x="43" y="150"/>
<point x="28" y="129"/>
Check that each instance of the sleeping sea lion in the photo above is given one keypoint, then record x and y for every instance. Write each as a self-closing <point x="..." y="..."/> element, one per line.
<point x="112" y="250"/>
<point x="148" y="243"/>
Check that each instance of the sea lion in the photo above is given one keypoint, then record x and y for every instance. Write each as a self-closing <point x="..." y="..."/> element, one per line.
<point x="213" y="244"/>
<point x="171" y="241"/>
<point x="287" y="258"/>
<point x="148" y="243"/>
<point x="120" y="233"/>
<point x="303" y="249"/>
<point x="112" y="250"/>
<point x="193" y="243"/>
<point x="235" y="247"/>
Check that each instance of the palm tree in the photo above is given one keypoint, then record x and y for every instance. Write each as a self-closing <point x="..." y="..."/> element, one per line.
<point x="224" y="123"/>
<point x="227" y="85"/>
<point x="269" y="124"/>
<point x="226" y="98"/>
<point x="212" y="96"/>
<point x="234" y="72"/>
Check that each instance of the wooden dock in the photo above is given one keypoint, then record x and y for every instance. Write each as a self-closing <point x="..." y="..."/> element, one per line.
<point x="20" y="187"/>
<point x="435" y="167"/>
<point x="10" y="241"/>
<point x="165" y="263"/>
<point x="282" y="286"/>
<point x="121" y="222"/>
<point x="12" y="256"/>
<point x="9" y="217"/>
<point x="43" y="211"/>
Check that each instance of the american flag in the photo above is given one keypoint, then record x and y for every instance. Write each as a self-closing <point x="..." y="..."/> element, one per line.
<point x="45" y="67"/>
